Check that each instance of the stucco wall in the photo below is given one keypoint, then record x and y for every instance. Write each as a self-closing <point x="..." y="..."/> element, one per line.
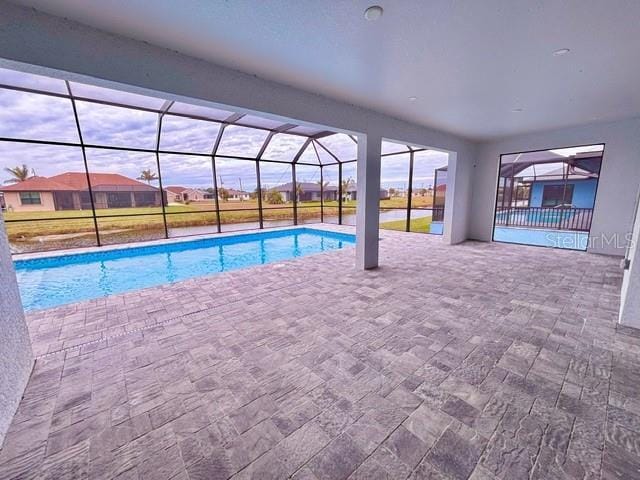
<point x="617" y="188"/>
<point x="12" y="200"/>
<point x="16" y="357"/>
<point x="629" y="298"/>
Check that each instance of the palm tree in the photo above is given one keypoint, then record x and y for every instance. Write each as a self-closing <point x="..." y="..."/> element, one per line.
<point x="299" y="191"/>
<point x="148" y="176"/>
<point x="20" y="174"/>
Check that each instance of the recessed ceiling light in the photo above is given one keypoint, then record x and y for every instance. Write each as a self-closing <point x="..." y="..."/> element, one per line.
<point x="562" y="51"/>
<point x="517" y="110"/>
<point x="373" y="13"/>
<point x="413" y="99"/>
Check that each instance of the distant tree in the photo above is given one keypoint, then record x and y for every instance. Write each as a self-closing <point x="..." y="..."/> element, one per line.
<point x="19" y="174"/>
<point x="253" y="195"/>
<point x="346" y="186"/>
<point x="422" y="192"/>
<point x="274" y="197"/>
<point x="392" y="192"/>
<point x="148" y="176"/>
<point x="322" y="184"/>
<point x="223" y="193"/>
<point x="210" y="190"/>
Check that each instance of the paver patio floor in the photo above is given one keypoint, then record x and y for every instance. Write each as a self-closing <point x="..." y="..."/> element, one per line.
<point x="472" y="361"/>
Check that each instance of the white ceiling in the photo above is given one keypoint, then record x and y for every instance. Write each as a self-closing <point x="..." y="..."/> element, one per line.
<point x="470" y="63"/>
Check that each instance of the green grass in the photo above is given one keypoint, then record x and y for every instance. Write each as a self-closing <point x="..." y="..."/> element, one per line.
<point x="149" y="219"/>
<point x="421" y="225"/>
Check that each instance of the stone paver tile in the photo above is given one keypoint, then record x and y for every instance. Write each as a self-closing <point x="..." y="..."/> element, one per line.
<point x="72" y="462"/>
<point x="427" y="423"/>
<point x="370" y="469"/>
<point x="267" y="467"/>
<point x="213" y="467"/>
<point x="394" y="467"/>
<point x="404" y="399"/>
<point x="251" y="374"/>
<point x="426" y="471"/>
<point x="253" y="443"/>
<point x="406" y="446"/>
<point x="368" y="433"/>
<point x="337" y="418"/>
<point x="338" y="460"/>
<point x="454" y="455"/>
<point x="296" y="449"/>
<point x="252" y="413"/>
<point x="461" y="411"/>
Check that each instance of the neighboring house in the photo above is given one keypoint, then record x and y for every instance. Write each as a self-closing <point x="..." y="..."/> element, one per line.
<point x="236" y="195"/>
<point x="183" y="194"/>
<point x="174" y="193"/>
<point x="308" y="192"/>
<point x="69" y="191"/>
<point x="551" y="191"/>
<point x="352" y="193"/>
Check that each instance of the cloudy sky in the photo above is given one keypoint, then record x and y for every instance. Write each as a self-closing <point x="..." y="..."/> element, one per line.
<point x="39" y="117"/>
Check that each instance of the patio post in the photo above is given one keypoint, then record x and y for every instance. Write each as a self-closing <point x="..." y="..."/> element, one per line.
<point x="16" y="355"/>
<point x="368" y="198"/>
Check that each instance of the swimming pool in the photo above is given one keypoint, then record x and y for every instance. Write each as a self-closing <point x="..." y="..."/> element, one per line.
<point x="57" y="280"/>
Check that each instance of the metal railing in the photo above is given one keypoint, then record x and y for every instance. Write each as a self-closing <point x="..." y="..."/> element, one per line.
<point x="560" y="218"/>
<point x="438" y="214"/>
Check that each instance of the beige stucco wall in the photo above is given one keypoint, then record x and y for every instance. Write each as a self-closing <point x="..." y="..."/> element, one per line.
<point x="12" y="200"/>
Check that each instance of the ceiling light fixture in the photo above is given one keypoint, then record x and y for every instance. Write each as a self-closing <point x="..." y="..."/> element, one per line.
<point x="517" y="110"/>
<point x="562" y="51"/>
<point x="413" y="99"/>
<point x="373" y="13"/>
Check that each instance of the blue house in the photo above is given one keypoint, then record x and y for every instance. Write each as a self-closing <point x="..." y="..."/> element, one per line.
<point x="577" y="192"/>
<point x="545" y="199"/>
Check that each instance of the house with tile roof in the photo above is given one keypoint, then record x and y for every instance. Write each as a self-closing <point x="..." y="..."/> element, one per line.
<point x="186" y="194"/>
<point x="70" y="191"/>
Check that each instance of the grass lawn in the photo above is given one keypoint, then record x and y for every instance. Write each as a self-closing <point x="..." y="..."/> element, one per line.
<point x="69" y="228"/>
<point x="421" y="225"/>
<point x="149" y="218"/>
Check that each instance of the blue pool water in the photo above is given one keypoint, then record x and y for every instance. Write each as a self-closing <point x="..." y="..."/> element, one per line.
<point x="51" y="281"/>
<point x="542" y="238"/>
<point x="546" y="217"/>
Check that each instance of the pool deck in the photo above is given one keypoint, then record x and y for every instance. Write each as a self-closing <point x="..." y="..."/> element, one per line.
<point x="481" y="361"/>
